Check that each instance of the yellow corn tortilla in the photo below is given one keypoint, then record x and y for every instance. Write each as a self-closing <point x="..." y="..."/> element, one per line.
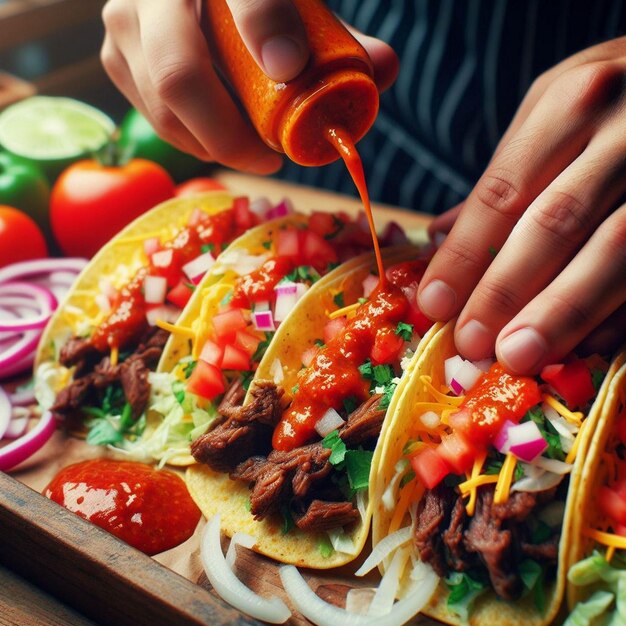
<point x="116" y="262"/>
<point x="216" y="493"/>
<point x="593" y="474"/>
<point x="487" y="608"/>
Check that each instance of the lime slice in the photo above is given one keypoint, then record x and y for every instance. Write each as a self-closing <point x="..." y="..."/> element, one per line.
<point x="53" y="132"/>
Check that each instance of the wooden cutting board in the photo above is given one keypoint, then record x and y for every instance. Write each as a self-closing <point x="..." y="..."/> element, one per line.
<point x="112" y="583"/>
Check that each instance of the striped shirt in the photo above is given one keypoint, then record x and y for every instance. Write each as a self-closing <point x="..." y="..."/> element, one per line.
<point x="465" y="66"/>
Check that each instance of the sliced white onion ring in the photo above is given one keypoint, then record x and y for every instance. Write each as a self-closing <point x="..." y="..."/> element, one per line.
<point x="238" y="539"/>
<point x="322" y="613"/>
<point x="383" y="548"/>
<point x="23" y="397"/>
<point x="229" y="587"/>
<point x="24" y="447"/>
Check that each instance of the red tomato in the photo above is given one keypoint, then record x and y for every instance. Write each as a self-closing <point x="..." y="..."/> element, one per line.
<point x="322" y="223"/>
<point x="456" y="451"/>
<point x="180" y="294"/>
<point x="429" y="467"/>
<point x="195" y="186"/>
<point x="317" y="251"/>
<point x="20" y="237"/>
<point x="612" y="505"/>
<point x="228" y="322"/>
<point x="91" y="202"/>
<point x="387" y="346"/>
<point x="235" y="359"/>
<point x="244" y="217"/>
<point x="572" y="381"/>
<point x="247" y="341"/>
<point x="212" y="353"/>
<point x="206" y="381"/>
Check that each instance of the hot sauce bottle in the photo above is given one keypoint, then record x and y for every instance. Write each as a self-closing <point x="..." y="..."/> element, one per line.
<point x="335" y="91"/>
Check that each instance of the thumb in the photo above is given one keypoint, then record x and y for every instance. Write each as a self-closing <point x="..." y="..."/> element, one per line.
<point x="274" y="34"/>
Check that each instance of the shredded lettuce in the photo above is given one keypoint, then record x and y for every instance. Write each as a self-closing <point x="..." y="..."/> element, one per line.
<point x="463" y="591"/>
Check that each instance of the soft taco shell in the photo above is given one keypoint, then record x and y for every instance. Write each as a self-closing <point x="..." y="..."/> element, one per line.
<point x="216" y="493"/>
<point x="487" y="609"/>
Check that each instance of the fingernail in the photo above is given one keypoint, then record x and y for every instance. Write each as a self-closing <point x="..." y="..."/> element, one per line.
<point x="475" y="340"/>
<point x="283" y="58"/>
<point x="522" y="351"/>
<point x="437" y="300"/>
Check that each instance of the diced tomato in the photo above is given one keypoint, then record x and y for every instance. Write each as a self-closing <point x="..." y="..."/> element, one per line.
<point x="288" y="243"/>
<point x="180" y="294"/>
<point x="612" y="504"/>
<point x="167" y="263"/>
<point x="322" y="223"/>
<point x="421" y="324"/>
<point x="407" y="273"/>
<point x="496" y="397"/>
<point x="206" y="381"/>
<point x="235" y="359"/>
<point x="572" y="381"/>
<point x="456" y="451"/>
<point x="333" y="327"/>
<point x="244" y="217"/>
<point x="228" y="322"/>
<point x="387" y="346"/>
<point x="619" y="529"/>
<point x="212" y="353"/>
<point x="429" y="467"/>
<point x="247" y="341"/>
<point x="318" y="252"/>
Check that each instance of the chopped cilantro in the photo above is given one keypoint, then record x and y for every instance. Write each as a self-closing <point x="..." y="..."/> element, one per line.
<point x="190" y="286"/>
<point x="295" y="388"/>
<point x="267" y="244"/>
<point x="227" y="298"/>
<point x="350" y="404"/>
<point x="302" y="273"/>
<point x="288" y="522"/>
<point x="362" y="300"/>
<point x="358" y="464"/>
<point x="464" y="589"/>
<point x="207" y="247"/>
<point x="178" y="389"/>
<point x="262" y="347"/>
<point x="325" y="547"/>
<point x="335" y="444"/>
<point x="383" y="374"/>
<point x="338" y="299"/>
<point x="246" y="379"/>
<point x="109" y="429"/>
<point x="102" y="432"/>
<point x="548" y="432"/>
<point x="189" y="368"/>
<point x="385" y="401"/>
<point x="597" y="377"/>
<point x="405" y="331"/>
<point x="532" y="576"/>
<point x="366" y="369"/>
<point x="319" y="343"/>
<point x="407" y="478"/>
<point x="540" y="533"/>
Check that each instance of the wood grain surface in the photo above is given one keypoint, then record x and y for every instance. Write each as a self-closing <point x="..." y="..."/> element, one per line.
<point x="56" y="552"/>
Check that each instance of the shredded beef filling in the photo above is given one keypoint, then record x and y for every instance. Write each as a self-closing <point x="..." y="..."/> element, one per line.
<point x="495" y="539"/>
<point x="298" y="480"/>
<point x="93" y="373"/>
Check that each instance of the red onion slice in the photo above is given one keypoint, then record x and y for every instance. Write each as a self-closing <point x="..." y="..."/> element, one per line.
<point x="5" y="412"/>
<point x="19" y="350"/>
<point x="25" y="269"/>
<point x="42" y="297"/>
<point x="24" y="447"/>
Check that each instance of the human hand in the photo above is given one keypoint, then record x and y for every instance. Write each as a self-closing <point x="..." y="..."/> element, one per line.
<point x="550" y="204"/>
<point x="157" y="55"/>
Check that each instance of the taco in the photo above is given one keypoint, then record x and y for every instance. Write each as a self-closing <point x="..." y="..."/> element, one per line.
<point x="222" y="335"/>
<point x="596" y="587"/>
<point x="292" y="465"/>
<point x="94" y="356"/>
<point x="475" y="484"/>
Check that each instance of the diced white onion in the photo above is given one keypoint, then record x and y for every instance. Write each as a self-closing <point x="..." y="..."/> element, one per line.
<point x="324" y="614"/>
<point x="342" y="541"/>
<point x="240" y="261"/>
<point x="331" y="420"/>
<point x="263" y="320"/>
<point x="467" y="375"/>
<point x="383" y="548"/>
<point x="358" y="600"/>
<point x="103" y="302"/>
<point x="229" y="587"/>
<point x="301" y="289"/>
<point x="389" y="496"/>
<point x="238" y="539"/>
<point x="165" y="312"/>
<point x="430" y="419"/>
<point x="285" y="302"/>
<point x="389" y="584"/>
<point x="198" y="267"/>
<point x="544" y="481"/>
<point x="362" y="499"/>
<point x="286" y="287"/>
<point x="154" y="289"/>
<point x="532" y="471"/>
<point x="260" y="206"/>
<point x="553" y="465"/>
<point x="276" y="371"/>
<point x="162" y="258"/>
<point x="450" y="367"/>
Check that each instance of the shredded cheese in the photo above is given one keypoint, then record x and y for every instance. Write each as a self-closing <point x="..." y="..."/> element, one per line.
<point x="115" y="354"/>
<point x="571" y="455"/>
<point x="606" y="539"/>
<point x="411" y="492"/>
<point x="185" y="331"/>
<point x="503" y="486"/>
<point x="470" y="507"/>
<point x="562" y="410"/>
<point x="441" y="397"/>
<point x="139" y="238"/>
<point x="346" y="310"/>
<point x="477" y="481"/>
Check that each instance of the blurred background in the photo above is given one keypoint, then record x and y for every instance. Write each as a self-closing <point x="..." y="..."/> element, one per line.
<point x="51" y="47"/>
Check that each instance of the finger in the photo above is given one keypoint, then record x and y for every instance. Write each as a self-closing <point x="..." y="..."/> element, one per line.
<point x="384" y="59"/>
<point x="608" y="338"/>
<point x="545" y="239"/>
<point x="587" y="292"/>
<point x="442" y="224"/>
<point x="551" y="138"/>
<point x="187" y="87"/>
<point x="274" y="34"/>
